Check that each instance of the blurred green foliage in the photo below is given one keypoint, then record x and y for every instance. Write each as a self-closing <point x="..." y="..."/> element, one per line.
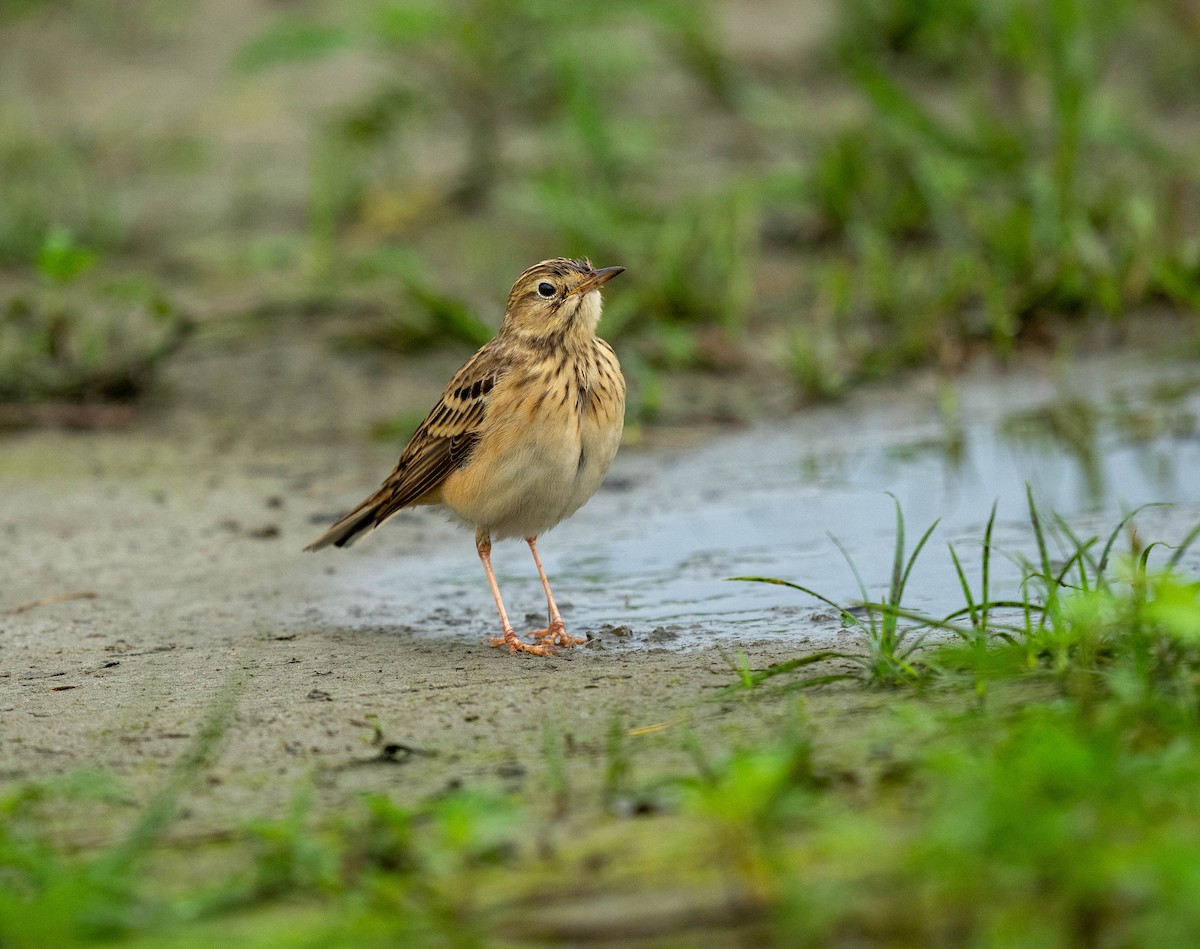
<point x="695" y="260"/>
<point x="47" y="185"/>
<point x="541" y="106"/>
<point x="496" y="71"/>
<point x="1005" y="165"/>
<point x="68" y="338"/>
<point x="428" y="314"/>
<point x="1034" y="784"/>
<point x="1009" y="167"/>
<point x="61" y="259"/>
<point x="979" y="168"/>
<point x="932" y="180"/>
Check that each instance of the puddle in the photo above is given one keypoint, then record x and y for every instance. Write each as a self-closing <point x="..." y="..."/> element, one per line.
<point x="655" y="547"/>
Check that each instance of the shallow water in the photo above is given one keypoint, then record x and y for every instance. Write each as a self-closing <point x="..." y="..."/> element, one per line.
<point x="653" y="551"/>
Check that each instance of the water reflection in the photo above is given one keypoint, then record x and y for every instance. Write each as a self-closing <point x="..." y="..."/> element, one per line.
<point x="656" y="553"/>
<point x="1088" y="431"/>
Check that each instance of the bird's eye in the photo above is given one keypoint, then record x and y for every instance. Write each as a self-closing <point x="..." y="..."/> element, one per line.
<point x="546" y="289"/>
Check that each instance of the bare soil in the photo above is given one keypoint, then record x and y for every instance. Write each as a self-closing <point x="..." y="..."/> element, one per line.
<point x="153" y="573"/>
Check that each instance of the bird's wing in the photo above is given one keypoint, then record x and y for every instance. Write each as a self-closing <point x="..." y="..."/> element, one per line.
<point x="442" y="442"/>
<point x="445" y="440"/>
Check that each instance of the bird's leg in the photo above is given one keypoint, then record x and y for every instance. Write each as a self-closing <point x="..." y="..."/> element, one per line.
<point x="483" y="544"/>
<point x="556" y="632"/>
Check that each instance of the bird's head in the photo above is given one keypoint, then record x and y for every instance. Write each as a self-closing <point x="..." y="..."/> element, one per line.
<point x="554" y="297"/>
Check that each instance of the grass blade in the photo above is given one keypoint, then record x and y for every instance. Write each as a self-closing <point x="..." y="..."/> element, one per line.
<point x="862" y="587"/>
<point x="1039" y="534"/>
<point x="986" y="568"/>
<point x="1183" y="547"/>
<point x="989" y="605"/>
<point x="913" y="559"/>
<point x="753" y="679"/>
<point x="846" y="614"/>
<point x="897" y="584"/>
<point x="966" y="587"/>
<point x="817" y="680"/>
<point x="1112" y="538"/>
<point x="1084" y="547"/>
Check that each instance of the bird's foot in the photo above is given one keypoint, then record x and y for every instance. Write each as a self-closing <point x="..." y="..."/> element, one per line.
<point x="556" y="634"/>
<point x="514" y="644"/>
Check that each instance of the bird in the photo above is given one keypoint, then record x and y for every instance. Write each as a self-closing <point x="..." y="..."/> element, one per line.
<point x="522" y="436"/>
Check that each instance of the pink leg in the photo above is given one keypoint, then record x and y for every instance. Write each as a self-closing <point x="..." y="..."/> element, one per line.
<point x="557" y="631"/>
<point x="483" y="544"/>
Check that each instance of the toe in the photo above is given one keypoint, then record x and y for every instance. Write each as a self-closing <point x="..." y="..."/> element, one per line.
<point x="514" y="644"/>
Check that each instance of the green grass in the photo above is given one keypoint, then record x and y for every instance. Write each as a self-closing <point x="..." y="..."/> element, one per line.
<point x="696" y="261"/>
<point x="1003" y="174"/>
<point x="50" y="183"/>
<point x="82" y="337"/>
<point x="1005" y="167"/>
<point x="1068" y="616"/>
<point x="890" y="645"/>
<point x="1021" y="771"/>
<point x="486" y="73"/>
<point x="932" y="181"/>
<point x="1028" y="781"/>
<point x="471" y="73"/>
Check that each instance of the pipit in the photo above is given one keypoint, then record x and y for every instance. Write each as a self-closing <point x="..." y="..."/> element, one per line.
<point x="523" y="434"/>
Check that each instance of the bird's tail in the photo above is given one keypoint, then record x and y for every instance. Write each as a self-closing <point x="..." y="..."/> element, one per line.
<point x="348" y="529"/>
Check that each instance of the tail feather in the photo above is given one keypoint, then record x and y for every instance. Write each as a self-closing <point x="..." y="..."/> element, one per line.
<point x="347" y="530"/>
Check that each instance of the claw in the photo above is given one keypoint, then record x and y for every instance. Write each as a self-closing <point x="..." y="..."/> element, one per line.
<point x="515" y="645"/>
<point x="556" y="634"/>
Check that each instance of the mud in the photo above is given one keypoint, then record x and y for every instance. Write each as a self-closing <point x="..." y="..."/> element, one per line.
<point x="152" y="574"/>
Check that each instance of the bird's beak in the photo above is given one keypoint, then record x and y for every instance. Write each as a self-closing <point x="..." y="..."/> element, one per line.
<point x="596" y="279"/>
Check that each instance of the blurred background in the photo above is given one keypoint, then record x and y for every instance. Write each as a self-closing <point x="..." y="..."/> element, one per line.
<point x="244" y="243"/>
<point x="807" y="194"/>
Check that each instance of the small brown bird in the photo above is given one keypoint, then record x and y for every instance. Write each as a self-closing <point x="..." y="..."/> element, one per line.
<point x="523" y="434"/>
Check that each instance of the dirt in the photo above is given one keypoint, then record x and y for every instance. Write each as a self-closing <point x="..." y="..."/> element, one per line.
<point x="151" y="573"/>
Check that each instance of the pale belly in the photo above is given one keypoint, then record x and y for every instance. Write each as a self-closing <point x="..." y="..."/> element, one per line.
<point x="534" y="481"/>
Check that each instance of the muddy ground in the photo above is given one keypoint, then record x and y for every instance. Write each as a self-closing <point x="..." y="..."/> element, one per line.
<point x="175" y="547"/>
<point x="154" y="574"/>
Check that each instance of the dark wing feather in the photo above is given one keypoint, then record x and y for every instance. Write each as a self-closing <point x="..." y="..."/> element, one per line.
<point x="442" y="443"/>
